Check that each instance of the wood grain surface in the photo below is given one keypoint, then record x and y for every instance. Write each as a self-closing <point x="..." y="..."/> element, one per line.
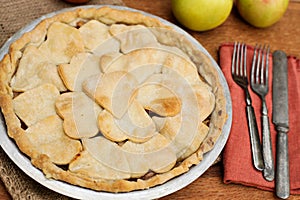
<point x="284" y="35"/>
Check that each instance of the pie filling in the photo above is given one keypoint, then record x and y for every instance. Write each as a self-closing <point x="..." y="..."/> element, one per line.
<point x="109" y="104"/>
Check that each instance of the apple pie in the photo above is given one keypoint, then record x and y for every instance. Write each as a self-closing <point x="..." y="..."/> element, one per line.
<point x="110" y="99"/>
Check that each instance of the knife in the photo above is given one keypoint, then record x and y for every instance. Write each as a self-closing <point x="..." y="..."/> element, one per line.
<point x="281" y="121"/>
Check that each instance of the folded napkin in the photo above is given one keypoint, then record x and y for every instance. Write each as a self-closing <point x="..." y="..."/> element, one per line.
<point x="237" y="157"/>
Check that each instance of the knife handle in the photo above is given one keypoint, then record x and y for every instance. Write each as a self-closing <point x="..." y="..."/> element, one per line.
<point x="268" y="171"/>
<point x="282" y="165"/>
<point x="254" y="139"/>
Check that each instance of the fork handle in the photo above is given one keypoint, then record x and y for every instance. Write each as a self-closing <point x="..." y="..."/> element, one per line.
<point x="254" y="139"/>
<point x="267" y="149"/>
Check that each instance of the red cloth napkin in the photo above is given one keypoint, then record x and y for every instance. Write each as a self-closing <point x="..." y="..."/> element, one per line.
<point x="237" y="158"/>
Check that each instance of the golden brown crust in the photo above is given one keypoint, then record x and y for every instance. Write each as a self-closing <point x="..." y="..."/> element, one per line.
<point x="108" y="16"/>
<point x="6" y="72"/>
<point x="210" y="75"/>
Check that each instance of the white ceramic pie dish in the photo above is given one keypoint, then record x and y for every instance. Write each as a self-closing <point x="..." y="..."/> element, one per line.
<point x="169" y="187"/>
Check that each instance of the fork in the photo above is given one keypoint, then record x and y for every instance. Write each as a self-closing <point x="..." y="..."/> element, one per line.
<point x="259" y="84"/>
<point x="239" y="75"/>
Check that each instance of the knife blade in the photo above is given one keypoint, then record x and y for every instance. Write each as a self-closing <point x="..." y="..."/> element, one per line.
<point x="281" y="120"/>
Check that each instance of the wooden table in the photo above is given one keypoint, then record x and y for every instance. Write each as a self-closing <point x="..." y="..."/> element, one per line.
<point x="284" y="35"/>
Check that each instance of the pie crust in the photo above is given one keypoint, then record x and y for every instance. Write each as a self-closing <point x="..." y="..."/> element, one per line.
<point x="111" y="100"/>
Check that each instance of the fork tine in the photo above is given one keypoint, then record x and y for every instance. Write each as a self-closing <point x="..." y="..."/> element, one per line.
<point x="245" y="59"/>
<point x="262" y="67"/>
<point x="267" y="65"/>
<point x="233" y="59"/>
<point x="242" y="64"/>
<point x="241" y="52"/>
<point x="238" y="59"/>
<point x="253" y="80"/>
<point x="259" y="65"/>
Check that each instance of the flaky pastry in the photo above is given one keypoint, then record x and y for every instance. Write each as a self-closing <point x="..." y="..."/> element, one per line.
<point x="110" y="100"/>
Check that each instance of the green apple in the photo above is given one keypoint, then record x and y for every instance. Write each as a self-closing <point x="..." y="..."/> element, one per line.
<point x="262" y="13"/>
<point x="201" y="15"/>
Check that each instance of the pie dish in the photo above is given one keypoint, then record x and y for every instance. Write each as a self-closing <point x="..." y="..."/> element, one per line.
<point x="111" y="99"/>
